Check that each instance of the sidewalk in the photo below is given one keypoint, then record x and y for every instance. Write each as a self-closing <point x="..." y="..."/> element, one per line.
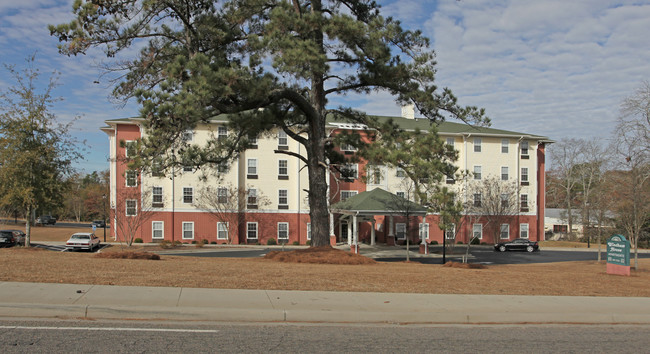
<point x="42" y="300"/>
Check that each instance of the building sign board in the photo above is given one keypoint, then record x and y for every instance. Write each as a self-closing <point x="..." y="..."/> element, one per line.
<point x="618" y="255"/>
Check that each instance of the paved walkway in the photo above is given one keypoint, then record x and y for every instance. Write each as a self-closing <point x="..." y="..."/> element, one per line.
<point x="42" y="300"/>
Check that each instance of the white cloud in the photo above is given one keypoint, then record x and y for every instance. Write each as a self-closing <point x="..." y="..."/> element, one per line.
<point x="551" y="68"/>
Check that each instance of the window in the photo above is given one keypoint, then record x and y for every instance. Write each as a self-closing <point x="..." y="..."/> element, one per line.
<point x="309" y="231"/>
<point x="187" y="136"/>
<point x="131" y="178"/>
<point x="450" y="233"/>
<point x="252" y="140"/>
<point x="504" y="173"/>
<point x="477" y="231"/>
<point x="523" y="230"/>
<point x="504" y="145"/>
<point x="504" y="232"/>
<point x="188" y="195"/>
<point x="477" y="200"/>
<point x="347" y="194"/>
<point x="252" y="198"/>
<point x="560" y="228"/>
<point x="524" y="149"/>
<point x="400" y="231"/>
<point x="524" y="176"/>
<point x="129" y="148"/>
<point x="477" y="144"/>
<point x="283" y="169"/>
<point x="251" y="230"/>
<point x="252" y="168"/>
<point x="348" y="148"/>
<point x="375" y="174"/>
<point x="157" y="230"/>
<point x="222" y="133"/>
<point x="283" y="199"/>
<point x="524" y="202"/>
<point x="400" y="194"/>
<point x="222" y="195"/>
<point x="450" y="142"/>
<point x="156" y="168"/>
<point x="424" y="231"/>
<point x="400" y="172"/>
<point x="188" y="230"/>
<point x="223" y="167"/>
<point x="156" y="197"/>
<point x="283" y="142"/>
<point x="450" y="179"/>
<point x="283" y="231"/>
<point x="504" y="201"/>
<point x="131" y="207"/>
<point x="222" y="230"/>
<point x="350" y="172"/>
<point x="477" y="172"/>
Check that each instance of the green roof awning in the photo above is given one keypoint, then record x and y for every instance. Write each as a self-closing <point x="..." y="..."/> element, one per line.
<point x="378" y="202"/>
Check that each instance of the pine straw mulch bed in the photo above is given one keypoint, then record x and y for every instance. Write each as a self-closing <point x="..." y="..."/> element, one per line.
<point x="568" y="278"/>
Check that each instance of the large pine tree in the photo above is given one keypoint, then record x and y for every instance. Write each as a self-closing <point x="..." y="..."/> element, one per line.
<point x="203" y="58"/>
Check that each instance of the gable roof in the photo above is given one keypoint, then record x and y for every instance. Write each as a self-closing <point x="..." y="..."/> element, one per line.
<point x="444" y="128"/>
<point x="378" y="202"/>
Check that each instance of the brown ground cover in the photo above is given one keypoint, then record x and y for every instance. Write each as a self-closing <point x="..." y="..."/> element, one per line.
<point x="569" y="278"/>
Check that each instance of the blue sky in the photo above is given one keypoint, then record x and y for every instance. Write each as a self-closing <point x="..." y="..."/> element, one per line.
<point x="553" y="68"/>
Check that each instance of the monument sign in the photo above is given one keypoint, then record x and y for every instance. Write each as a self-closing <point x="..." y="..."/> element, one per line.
<point x="618" y="255"/>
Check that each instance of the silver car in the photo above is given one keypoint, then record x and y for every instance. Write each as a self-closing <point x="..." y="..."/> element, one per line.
<point x="82" y="241"/>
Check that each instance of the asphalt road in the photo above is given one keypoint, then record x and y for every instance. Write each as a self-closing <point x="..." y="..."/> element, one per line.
<point x="67" y="336"/>
<point x="486" y="256"/>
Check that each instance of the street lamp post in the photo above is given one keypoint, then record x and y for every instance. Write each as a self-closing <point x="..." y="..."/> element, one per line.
<point x="104" y="198"/>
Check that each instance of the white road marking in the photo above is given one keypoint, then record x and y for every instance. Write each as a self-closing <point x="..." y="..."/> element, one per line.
<point x="116" y="329"/>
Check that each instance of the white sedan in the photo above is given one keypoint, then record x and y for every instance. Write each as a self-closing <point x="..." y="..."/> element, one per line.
<point x="83" y="241"/>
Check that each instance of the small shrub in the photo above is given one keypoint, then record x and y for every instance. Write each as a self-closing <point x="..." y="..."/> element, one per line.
<point x="271" y="242"/>
<point x="198" y="244"/>
<point x="308" y="243"/>
<point x="434" y="242"/>
<point x="213" y="242"/>
<point x="296" y="243"/>
<point x="483" y="243"/>
<point x="165" y="244"/>
<point x="137" y="240"/>
<point x="177" y="243"/>
<point x="459" y="242"/>
<point x="475" y="241"/>
<point x="194" y="242"/>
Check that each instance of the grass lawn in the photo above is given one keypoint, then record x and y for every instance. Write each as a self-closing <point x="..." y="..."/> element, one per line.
<point x="567" y="278"/>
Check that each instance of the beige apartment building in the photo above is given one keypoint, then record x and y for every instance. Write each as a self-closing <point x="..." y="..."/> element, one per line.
<point x="262" y="195"/>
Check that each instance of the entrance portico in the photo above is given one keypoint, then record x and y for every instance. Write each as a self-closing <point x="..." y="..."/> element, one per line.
<point x="364" y="206"/>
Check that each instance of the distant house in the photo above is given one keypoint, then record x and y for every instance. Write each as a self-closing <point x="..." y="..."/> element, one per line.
<point x="556" y="224"/>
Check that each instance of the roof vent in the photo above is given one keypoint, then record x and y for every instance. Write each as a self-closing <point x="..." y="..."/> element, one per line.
<point x="408" y="111"/>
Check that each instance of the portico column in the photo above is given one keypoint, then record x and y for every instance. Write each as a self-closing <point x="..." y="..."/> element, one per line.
<point x="355" y="234"/>
<point x="372" y="233"/>
<point x="332" y="235"/>
<point x="350" y="234"/>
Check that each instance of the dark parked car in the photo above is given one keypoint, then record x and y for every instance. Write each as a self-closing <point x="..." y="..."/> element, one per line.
<point x="99" y="223"/>
<point x="20" y="237"/>
<point x="7" y="238"/>
<point x="520" y="244"/>
<point x="46" y="220"/>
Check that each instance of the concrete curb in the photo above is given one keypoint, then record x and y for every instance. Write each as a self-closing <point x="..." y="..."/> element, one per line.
<point x="44" y="300"/>
<point x="96" y="312"/>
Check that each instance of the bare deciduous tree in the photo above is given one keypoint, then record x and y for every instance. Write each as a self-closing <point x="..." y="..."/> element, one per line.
<point x="632" y="141"/>
<point x="132" y="209"/>
<point x="227" y="204"/>
<point x="496" y="201"/>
